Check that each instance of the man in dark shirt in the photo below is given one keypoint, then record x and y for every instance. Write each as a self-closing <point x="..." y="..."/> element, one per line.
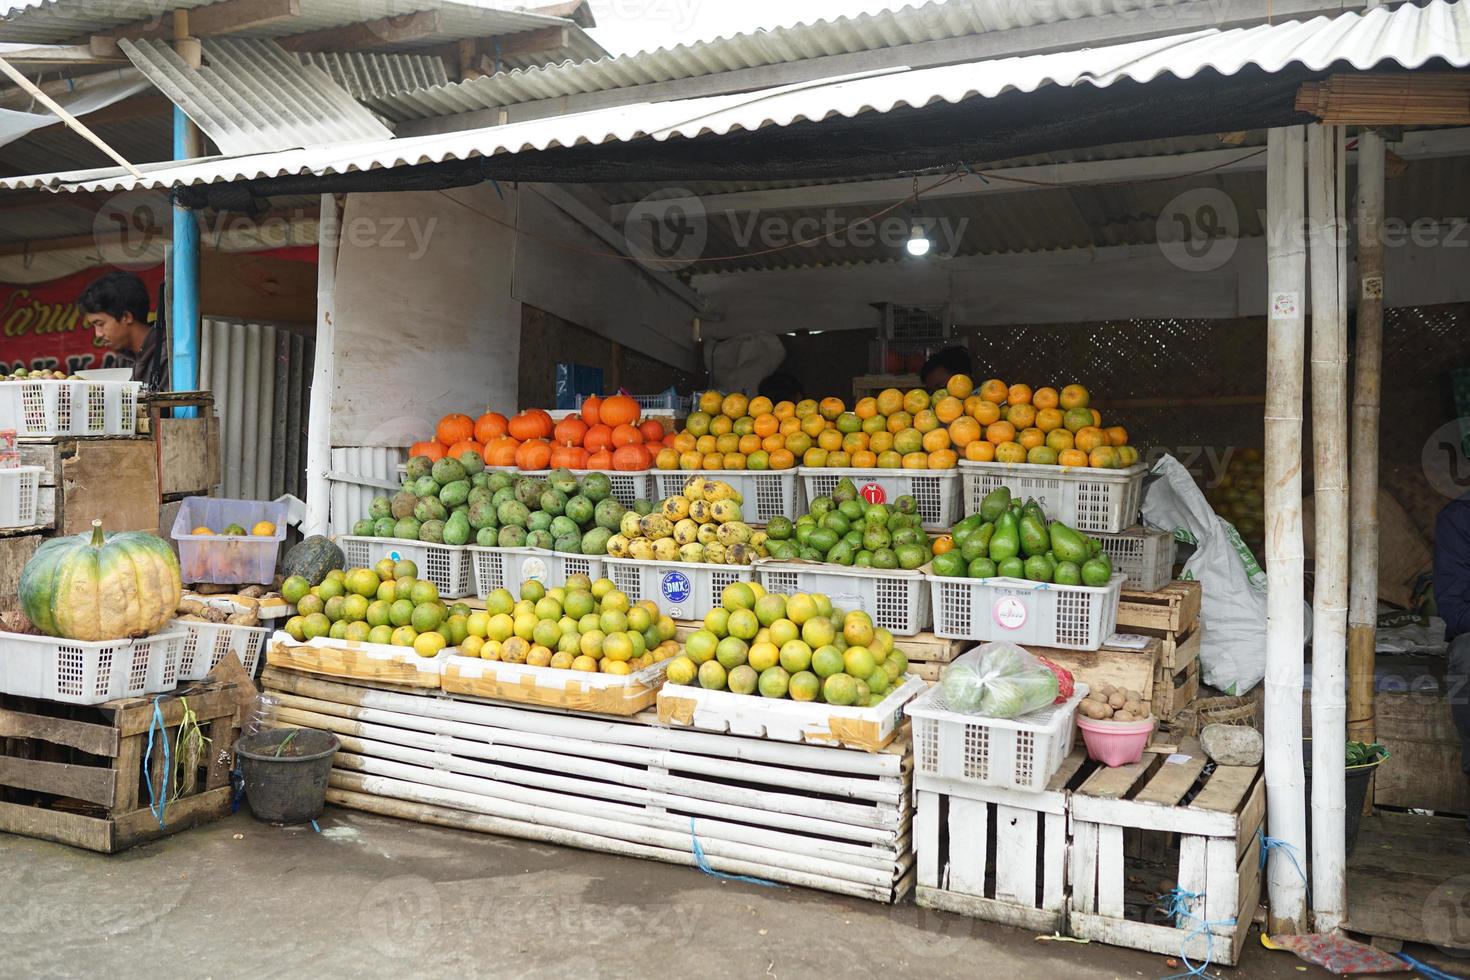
<point x="944" y="365"/>
<point x="1452" y="597"/>
<point x="116" y="308"/>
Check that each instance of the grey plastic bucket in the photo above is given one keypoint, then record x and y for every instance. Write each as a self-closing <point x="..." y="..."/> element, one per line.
<point x="286" y="785"/>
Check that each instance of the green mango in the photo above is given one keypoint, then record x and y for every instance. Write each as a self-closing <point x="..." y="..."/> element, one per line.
<point x="876" y="514"/>
<point x="853" y="510"/>
<point x="819" y="507"/>
<point x="1033" y="508"/>
<point x="1096" y="572"/>
<point x="911" y="556"/>
<point x="1039" y="569"/>
<point x="836" y="521"/>
<point x="875" y="537"/>
<point x="457" y="530"/>
<point x="977" y="545"/>
<point x="432" y="532"/>
<point x="845" y="490"/>
<point x="1011" y="567"/>
<point x="995" y="503"/>
<point x="885" y="558"/>
<point x="1006" y="541"/>
<point x="1068" y="573"/>
<point x="1068" y="545"/>
<point x="906" y="504"/>
<point x="1034" y="538"/>
<point x="841" y="553"/>
<point x="863" y="559"/>
<point x="779" y="528"/>
<point x="821" y="538"/>
<point x="950" y="564"/>
<point x="487" y="537"/>
<point x="966" y="526"/>
<point x="643" y="507"/>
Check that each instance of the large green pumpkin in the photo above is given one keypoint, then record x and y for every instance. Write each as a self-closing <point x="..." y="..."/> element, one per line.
<point x="97" y="586"/>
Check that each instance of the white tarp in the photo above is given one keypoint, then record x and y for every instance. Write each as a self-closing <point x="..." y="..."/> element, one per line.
<point x="16" y="123"/>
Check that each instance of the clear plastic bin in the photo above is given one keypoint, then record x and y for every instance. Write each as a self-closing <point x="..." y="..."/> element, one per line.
<point x="228" y="558"/>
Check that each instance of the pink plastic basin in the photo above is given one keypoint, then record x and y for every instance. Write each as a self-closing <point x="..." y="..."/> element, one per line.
<point x="1115" y="743"/>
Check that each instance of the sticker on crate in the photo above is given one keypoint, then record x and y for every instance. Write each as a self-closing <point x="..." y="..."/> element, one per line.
<point x="788" y="721"/>
<point x="555" y="687"/>
<point x="362" y="661"/>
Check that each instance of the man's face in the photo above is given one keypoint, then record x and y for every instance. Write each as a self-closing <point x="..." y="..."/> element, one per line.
<point x="936" y="378"/>
<point x="114" y="334"/>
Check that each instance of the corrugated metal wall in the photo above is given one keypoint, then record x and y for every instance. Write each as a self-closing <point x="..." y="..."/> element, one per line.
<point x="358" y="475"/>
<point x="260" y="375"/>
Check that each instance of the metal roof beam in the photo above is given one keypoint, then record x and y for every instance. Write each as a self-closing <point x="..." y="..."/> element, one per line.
<point x="1040" y="39"/>
<point x="382" y="33"/>
<point x="1012" y="180"/>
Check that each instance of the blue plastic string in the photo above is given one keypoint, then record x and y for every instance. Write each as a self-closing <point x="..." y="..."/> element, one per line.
<point x="315" y="827"/>
<point x="157" y="798"/>
<point x="703" y="864"/>
<point x="1424" y="969"/>
<point x="1178" y="907"/>
<point x="1268" y="843"/>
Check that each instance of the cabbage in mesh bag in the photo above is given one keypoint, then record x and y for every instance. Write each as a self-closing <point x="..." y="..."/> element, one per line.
<point x="997" y="680"/>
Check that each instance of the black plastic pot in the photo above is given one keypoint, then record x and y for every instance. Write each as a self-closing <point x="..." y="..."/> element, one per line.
<point x="285" y="772"/>
<point x="1354" y="792"/>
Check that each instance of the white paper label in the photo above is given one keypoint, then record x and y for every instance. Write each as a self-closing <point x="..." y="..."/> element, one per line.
<point x="1285" y="305"/>
<point x="1178" y="759"/>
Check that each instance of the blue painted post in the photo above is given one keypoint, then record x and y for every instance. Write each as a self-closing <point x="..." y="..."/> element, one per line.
<point x="184" y="318"/>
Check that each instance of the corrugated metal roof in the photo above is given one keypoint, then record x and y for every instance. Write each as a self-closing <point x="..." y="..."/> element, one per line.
<point x="369" y="75"/>
<point x="49" y="21"/>
<point x="935" y="21"/>
<point x="251" y="96"/>
<point x="1407" y="35"/>
<point x="146" y="139"/>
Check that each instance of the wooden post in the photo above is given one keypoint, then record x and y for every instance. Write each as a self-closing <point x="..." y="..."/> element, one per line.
<point x="1367" y="387"/>
<point x="1326" y="190"/>
<point x="1285" y="340"/>
<point x="323" y="372"/>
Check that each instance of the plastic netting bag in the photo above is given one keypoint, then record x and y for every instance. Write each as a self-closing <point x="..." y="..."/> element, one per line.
<point x="997" y="680"/>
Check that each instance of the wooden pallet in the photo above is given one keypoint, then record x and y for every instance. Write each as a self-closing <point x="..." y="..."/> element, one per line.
<point x="998" y="854"/>
<point x="76" y="775"/>
<point x="1174" y="608"/>
<point x="1124" y="819"/>
<point x="828" y="818"/>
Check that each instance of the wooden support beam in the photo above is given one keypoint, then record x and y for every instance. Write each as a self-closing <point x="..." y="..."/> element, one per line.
<point x="1402" y="99"/>
<point x="382" y="33"/>
<point x="225" y="17"/>
<point x="69" y="54"/>
<point x="525" y="43"/>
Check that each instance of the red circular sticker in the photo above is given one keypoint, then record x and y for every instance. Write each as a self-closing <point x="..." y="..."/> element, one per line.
<point x="874" y="494"/>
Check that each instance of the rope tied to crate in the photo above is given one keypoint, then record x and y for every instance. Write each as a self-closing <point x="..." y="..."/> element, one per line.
<point x="157" y="796"/>
<point x="1179" y="906"/>
<point x="703" y="864"/>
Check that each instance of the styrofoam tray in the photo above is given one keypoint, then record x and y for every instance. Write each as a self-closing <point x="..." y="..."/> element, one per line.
<point x="785" y="720"/>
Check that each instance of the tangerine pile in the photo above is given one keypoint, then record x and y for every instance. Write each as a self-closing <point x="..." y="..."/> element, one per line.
<point x="606" y="435"/>
<point x="916" y="429"/>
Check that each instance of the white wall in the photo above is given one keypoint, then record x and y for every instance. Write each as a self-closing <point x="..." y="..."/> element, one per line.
<point x="1054" y="287"/>
<point x="426" y="323"/>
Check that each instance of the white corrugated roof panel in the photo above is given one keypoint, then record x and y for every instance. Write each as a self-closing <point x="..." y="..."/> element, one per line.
<point x="1407" y="35"/>
<point x="50" y="21"/>
<point x="252" y="96"/>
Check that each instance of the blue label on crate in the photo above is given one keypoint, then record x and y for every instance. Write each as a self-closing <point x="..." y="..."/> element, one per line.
<point x="396" y="556"/>
<point x="675" y="587"/>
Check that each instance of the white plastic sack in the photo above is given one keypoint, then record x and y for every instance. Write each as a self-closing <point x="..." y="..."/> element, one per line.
<point x="742" y="363"/>
<point x="1233" y="611"/>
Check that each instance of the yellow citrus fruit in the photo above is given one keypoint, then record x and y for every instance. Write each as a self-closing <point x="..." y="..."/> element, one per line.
<point x="959" y="385"/>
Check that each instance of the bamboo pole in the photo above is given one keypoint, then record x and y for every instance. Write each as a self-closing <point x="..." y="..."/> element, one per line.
<point x="323" y="372"/>
<point x="1326" y="190"/>
<point x="1367" y="391"/>
<point x="1286" y="273"/>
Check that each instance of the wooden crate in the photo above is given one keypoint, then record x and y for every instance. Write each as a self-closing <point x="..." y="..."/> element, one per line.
<point x="1116" y="665"/>
<point x="1125" y="820"/>
<point x="76" y="775"/>
<point x="998" y="854"/>
<point x="928" y="653"/>
<point x="1174" y="690"/>
<point x="1174" y="608"/>
<point x="813" y="816"/>
<point x="115" y="479"/>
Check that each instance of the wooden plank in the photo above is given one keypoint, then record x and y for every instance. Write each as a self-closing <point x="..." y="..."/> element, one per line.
<point x="1165" y="940"/>
<point x="1016" y="849"/>
<point x="969" y="830"/>
<point x="1179" y="650"/>
<point x="1128" y="669"/>
<point x="112" y="479"/>
<point x="1054" y="863"/>
<point x="1176" y="776"/>
<point x="926" y="836"/>
<point x="1222" y="885"/>
<point x="1175" y="607"/>
<point x="141" y="825"/>
<point x="92" y="739"/>
<point x="1043" y="921"/>
<point x="136" y="715"/>
<point x="73" y="829"/>
<point x="14" y="553"/>
<point x="1226" y="788"/>
<point x="1150" y="816"/>
<point x="1069" y="768"/>
<point x="1425" y="773"/>
<point x="1084" y="867"/>
<point x="221" y="748"/>
<point x="1192" y="878"/>
<point x="1114" y="783"/>
<point x="128" y="765"/>
<point x="184" y="455"/>
<point x="1110" y="879"/>
<point x="47" y="455"/>
<point x="93" y="784"/>
<point x="1172" y="693"/>
<point x="928" y="648"/>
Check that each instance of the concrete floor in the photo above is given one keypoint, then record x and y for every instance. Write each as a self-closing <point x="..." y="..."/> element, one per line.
<point x="373" y="897"/>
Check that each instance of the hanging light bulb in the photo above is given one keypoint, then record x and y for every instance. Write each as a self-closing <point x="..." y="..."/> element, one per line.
<point x="918" y="243"/>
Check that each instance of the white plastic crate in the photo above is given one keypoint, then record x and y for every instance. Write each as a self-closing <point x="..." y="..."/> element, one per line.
<point x="20" y="489"/>
<point x="627" y="485"/>
<point x="897" y="599"/>
<point x="683" y="590"/>
<point x="447" y="566"/>
<point x="42" y="409"/>
<point x="81" y="672"/>
<point x="509" y="568"/>
<point x="228" y="558"/>
<point x="665" y="401"/>
<point x="955" y="751"/>
<point x="1073" y="617"/>
<point x="1145" y="555"/>
<point x="767" y="493"/>
<point x="206" y="644"/>
<point x="1082" y="497"/>
<point x="936" y="492"/>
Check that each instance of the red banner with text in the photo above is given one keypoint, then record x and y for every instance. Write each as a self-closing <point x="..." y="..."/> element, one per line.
<point x="43" y="328"/>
